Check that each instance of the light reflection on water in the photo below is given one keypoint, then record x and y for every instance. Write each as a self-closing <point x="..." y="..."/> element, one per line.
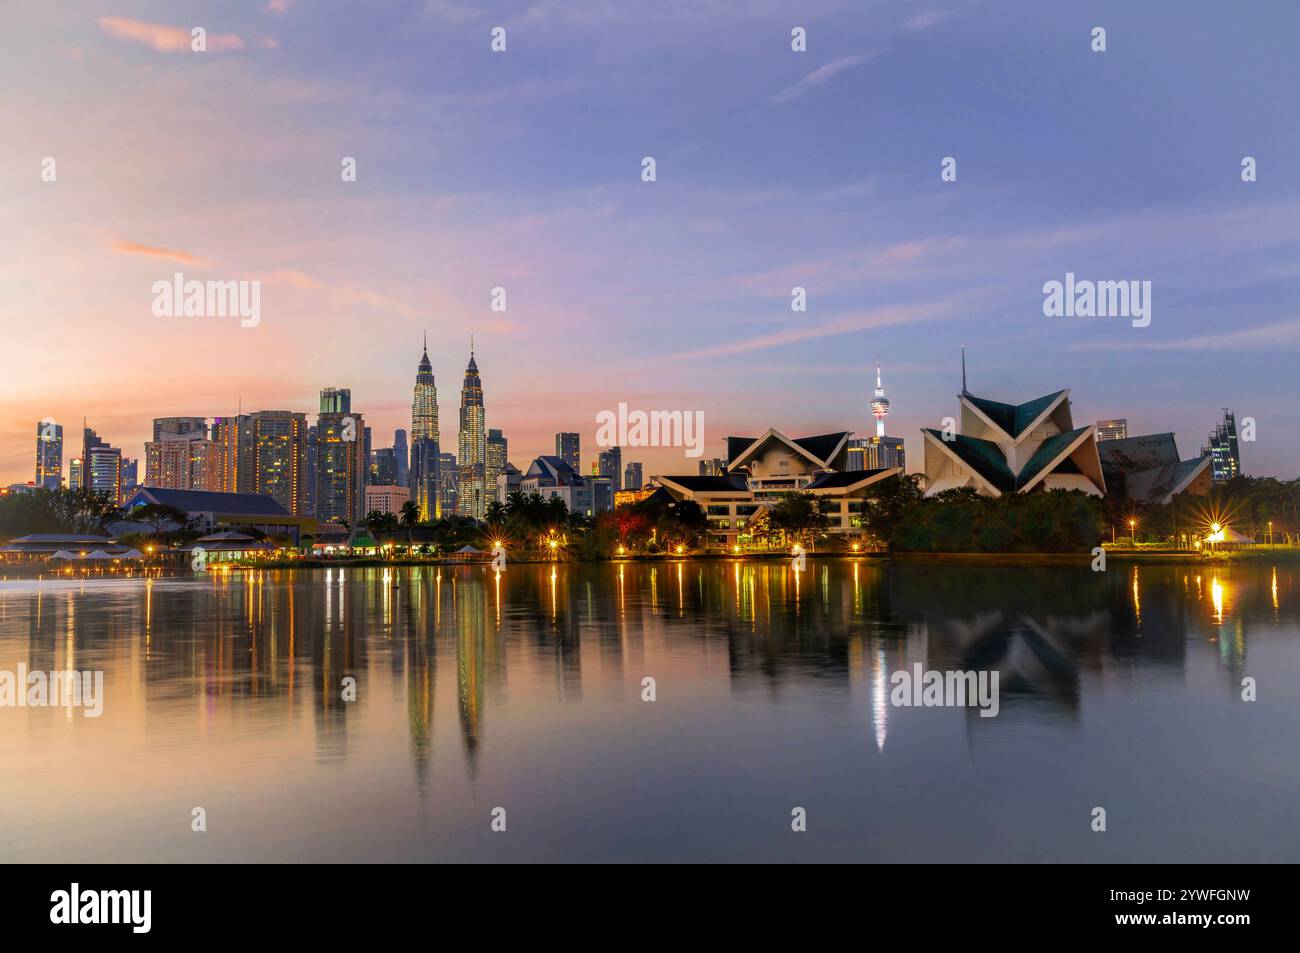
<point x="524" y="690"/>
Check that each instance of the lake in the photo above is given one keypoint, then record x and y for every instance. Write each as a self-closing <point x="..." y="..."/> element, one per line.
<point x="525" y="692"/>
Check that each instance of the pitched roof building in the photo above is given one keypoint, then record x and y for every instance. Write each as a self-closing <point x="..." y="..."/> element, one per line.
<point x="759" y="470"/>
<point x="1147" y="469"/>
<point x="1014" y="448"/>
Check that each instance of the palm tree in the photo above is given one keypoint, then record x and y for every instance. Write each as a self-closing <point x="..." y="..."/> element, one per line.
<point x="410" y="517"/>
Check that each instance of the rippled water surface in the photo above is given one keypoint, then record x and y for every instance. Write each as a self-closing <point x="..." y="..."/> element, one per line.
<point x="224" y="691"/>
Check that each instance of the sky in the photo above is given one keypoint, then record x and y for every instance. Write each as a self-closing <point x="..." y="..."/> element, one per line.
<point x="774" y="169"/>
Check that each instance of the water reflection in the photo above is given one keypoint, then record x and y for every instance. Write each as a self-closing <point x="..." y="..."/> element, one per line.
<point x="549" y="658"/>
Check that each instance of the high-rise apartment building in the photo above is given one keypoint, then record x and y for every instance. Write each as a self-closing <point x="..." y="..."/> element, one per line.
<point x="180" y="425"/>
<point x="633" y="476"/>
<point x="277" y="458"/>
<point x="49" y="454"/>
<point x="181" y="455"/>
<point x="102" y="470"/>
<point x="497" y="454"/>
<point x="101" y="467"/>
<point x="611" y="466"/>
<point x="341" y="459"/>
<point x="232" y="454"/>
<point x="567" y="448"/>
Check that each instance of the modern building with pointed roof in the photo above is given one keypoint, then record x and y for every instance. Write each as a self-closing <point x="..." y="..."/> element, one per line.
<point x="423" y="471"/>
<point x="1147" y="469"/>
<point x="759" y="470"/>
<point x="1014" y="448"/>
<point x="472" y="497"/>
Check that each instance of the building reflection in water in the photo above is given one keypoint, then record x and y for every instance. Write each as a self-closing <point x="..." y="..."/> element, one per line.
<point x="255" y="648"/>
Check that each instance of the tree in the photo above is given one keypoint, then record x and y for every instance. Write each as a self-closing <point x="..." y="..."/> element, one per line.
<point x="888" y="503"/>
<point x="410" y="518"/>
<point x="799" y="514"/>
<point x="167" y="524"/>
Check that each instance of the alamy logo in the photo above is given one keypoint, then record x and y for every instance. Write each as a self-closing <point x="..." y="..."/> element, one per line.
<point x="655" y="428"/>
<point x="59" y="689"/>
<point x="132" y="907"/>
<point x="957" y="689"/>
<point x="1098" y="299"/>
<point x="179" y="298"/>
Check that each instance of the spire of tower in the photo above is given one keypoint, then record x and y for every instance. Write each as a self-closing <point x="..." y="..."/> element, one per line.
<point x="880" y="403"/>
<point x="963" y="371"/>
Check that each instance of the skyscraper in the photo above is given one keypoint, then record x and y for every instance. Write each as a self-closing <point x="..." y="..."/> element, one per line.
<point x="472" y="449"/>
<point x="424" y="403"/>
<point x="448" y="477"/>
<point x="383" y="467"/>
<point x="101" y="468"/>
<point x="232" y="454"/>
<point x="426" y="477"/>
<point x="497" y="453"/>
<point x="567" y="449"/>
<point x="403" y="454"/>
<point x="632" y="476"/>
<point x="49" y="454"/>
<point x="1116" y="429"/>
<point x="611" y="467"/>
<point x="180" y="425"/>
<point x="423" y="474"/>
<point x="180" y="456"/>
<point x="276" y="465"/>
<point x="1223" y="448"/>
<point x="341" y="459"/>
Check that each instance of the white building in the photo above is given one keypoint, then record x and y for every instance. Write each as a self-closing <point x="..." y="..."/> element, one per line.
<point x="1014" y="448"/>
<point x="759" y="470"/>
<point x="387" y="499"/>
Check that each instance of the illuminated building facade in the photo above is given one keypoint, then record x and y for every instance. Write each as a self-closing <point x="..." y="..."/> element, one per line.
<point x="1115" y="429"/>
<point x="277" y="451"/>
<point x="568" y="449"/>
<point x="497" y="453"/>
<point x="1223" y="450"/>
<point x="49" y="454"/>
<point x="472" y="496"/>
<point x="341" y="459"/>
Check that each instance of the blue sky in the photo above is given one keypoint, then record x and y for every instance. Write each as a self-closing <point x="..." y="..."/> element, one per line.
<point x="775" y="168"/>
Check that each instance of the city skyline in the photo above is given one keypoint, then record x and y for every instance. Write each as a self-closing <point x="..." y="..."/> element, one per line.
<point x="424" y="414"/>
<point x="523" y="173"/>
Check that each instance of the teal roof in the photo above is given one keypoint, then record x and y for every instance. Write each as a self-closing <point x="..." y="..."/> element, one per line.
<point x="1014" y="418"/>
<point x="1047" y="451"/>
<point x="982" y="456"/>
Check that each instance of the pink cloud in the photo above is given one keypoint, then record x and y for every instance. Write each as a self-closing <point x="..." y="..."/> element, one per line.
<point x="165" y="39"/>
<point x="135" y="248"/>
